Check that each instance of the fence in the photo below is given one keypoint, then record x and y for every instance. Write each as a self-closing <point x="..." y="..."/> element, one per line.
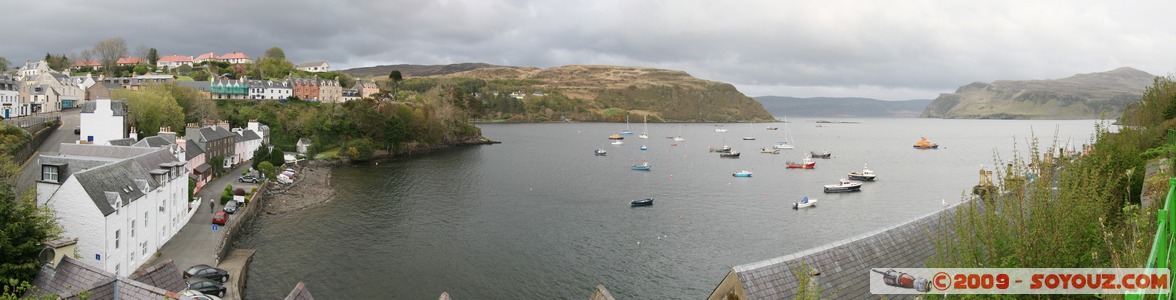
<point x="234" y="229"/>
<point x="41" y="132"/>
<point x="1161" y="252"/>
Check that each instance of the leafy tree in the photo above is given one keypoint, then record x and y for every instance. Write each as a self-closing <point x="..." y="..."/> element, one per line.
<point x="141" y="69"/>
<point x="109" y="51"/>
<point x="184" y="70"/>
<point x="276" y="157"/>
<point x="153" y="56"/>
<point x="57" y="62"/>
<point x="360" y="150"/>
<point x="200" y="75"/>
<point x="196" y="107"/>
<point x="4" y="63"/>
<point x="272" y="67"/>
<point x="217" y="162"/>
<point x="276" y="53"/>
<point x="346" y="80"/>
<point x="267" y="169"/>
<point x="152" y="107"/>
<point x="260" y="155"/>
<point x="23" y="226"/>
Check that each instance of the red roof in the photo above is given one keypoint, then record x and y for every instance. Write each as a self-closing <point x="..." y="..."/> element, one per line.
<point x="207" y="56"/>
<point x="234" y="55"/>
<point x="128" y="61"/>
<point x="175" y="58"/>
<point x="86" y="63"/>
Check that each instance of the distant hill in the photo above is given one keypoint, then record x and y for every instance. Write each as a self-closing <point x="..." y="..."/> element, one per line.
<point x="842" y="107"/>
<point x="415" y="70"/>
<point x="1080" y="96"/>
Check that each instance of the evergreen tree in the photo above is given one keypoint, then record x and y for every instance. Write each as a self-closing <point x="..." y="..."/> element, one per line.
<point x="23" y="228"/>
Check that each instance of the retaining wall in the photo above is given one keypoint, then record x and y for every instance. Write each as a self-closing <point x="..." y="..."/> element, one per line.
<point x="242" y="218"/>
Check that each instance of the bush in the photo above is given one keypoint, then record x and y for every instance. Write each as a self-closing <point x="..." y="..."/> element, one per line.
<point x="239" y="192"/>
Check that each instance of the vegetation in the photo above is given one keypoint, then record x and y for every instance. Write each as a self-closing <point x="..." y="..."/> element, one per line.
<point x="152" y="107"/>
<point x="4" y="63"/>
<point x="13" y="138"/>
<point x="1093" y="219"/>
<point x="267" y="169"/>
<point x="23" y="227"/>
<point x="108" y="52"/>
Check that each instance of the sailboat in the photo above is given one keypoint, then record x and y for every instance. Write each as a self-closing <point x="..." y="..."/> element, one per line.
<point x="787" y="138"/>
<point x="627" y="131"/>
<point x="720" y="129"/>
<point x="750" y="137"/>
<point x="644" y="120"/>
<point x="679" y="138"/>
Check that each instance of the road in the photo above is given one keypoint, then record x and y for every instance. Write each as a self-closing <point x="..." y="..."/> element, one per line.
<point x="196" y="242"/>
<point x="31" y="171"/>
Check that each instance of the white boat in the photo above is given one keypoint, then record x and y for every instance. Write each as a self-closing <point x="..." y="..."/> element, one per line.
<point x="804" y="203"/>
<point x="843" y="185"/>
<point x="644" y="135"/>
<point x="644" y="148"/>
<point x="785" y="144"/>
<point x="751" y="131"/>
<point x="769" y="150"/>
<point x="600" y="152"/>
<point x="618" y="142"/>
<point x="743" y="173"/>
<point x="720" y="129"/>
<point x="865" y="175"/>
<point x="679" y="138"/>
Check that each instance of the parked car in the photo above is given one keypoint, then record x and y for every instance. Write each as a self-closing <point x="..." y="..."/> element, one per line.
<point x="206" y="286"/>
<point x="77" y="129"/>
<point x="194" y="295"/>
<point x="206" y="272"/>
<point x="220" y="218"/>
<point x="247" y="178"/>
<point x="231" y="207"/>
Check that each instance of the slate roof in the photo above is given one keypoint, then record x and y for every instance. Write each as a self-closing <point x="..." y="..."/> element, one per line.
<point x="122" y="142"/>
<point x="193" y="150"/>
<point x="119" y="108"/>
<point x="249" y="135"/>
<point x="300" y="293"/>
<point x="845" y="265"/>
<point x="128" y="290"/>
<point x="213" y="133"/>
<point x="68" y="278"/>
<point x="117" y="177"/>
<point x="164" y="275"/>
<point x="153" y="142"/>
<point x="312" y="64"/>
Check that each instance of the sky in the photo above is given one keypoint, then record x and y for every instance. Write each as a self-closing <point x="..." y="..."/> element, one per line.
<point x="890" y="50"/>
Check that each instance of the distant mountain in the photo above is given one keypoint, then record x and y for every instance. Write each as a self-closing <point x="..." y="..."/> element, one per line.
<point x="416" y="70"/>
<point x="1081" y="96"/>
<point x="841" y="107"/>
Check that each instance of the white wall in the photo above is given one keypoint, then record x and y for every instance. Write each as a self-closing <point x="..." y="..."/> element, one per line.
<point x="79" y="218"/>
<point x="102" y="124"/>
<point x="12" y="99"/>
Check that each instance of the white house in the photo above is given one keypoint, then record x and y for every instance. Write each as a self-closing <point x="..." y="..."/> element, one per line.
<point x="103" y="120"/>
<point x="315" y="67"/>
<point x="276" y="90"/>
<point x="247" y="142"/>
<point x="120" y="203"/>
<point x="260" y="129"/>
<point x="9" y="98"/>
<point x="171" y="62"/>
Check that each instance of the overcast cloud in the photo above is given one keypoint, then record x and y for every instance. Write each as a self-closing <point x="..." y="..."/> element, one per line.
<point x="890" y="50"/>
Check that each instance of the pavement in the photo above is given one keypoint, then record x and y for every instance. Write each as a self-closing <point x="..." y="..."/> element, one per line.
<point x="236" y="263"/>
<point x="30" y="172"/>
<point x="196" y="242"/>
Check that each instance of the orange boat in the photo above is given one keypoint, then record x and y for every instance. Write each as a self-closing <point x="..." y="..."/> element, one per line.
<point x="925" y="144"/>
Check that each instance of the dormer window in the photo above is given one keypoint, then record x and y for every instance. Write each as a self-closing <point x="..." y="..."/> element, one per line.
<point x="52" y="172"/>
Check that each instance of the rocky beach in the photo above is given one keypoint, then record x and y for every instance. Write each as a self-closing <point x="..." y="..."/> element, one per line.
<point x="312" y="185"/>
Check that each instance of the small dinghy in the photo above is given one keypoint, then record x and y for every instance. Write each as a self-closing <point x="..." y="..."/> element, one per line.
<point x="804" y="203"/>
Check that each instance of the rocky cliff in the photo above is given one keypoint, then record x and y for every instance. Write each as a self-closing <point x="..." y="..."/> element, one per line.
<point x="1082" y="96"/>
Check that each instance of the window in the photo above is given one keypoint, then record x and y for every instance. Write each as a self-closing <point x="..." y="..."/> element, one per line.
<point x="144" y="219"/>
<point x="49" y="173"/>
<point x="144" y="248"/>
<point x="116" y="240"/>
<point x="132" y="228"/>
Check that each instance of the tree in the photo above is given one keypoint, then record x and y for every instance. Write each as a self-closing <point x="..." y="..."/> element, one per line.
<point x="395" y="76"/>
<point x="142" y="51"/>
<point x="275" y="53"/>
<point x="57" y="63"/>
<point x="109" y="51"/>
<point x="141" y="69"/>
<point x="276" y="157"/>
<point x="23" y="227"/>
<point x="153" y="56"/>
<point x="152" y="107"/>
<point x="218" y="164"/>
<point x="183" y="70"/>
<point x="259" y="156"/>
<point x="200" y="75"/>
<point x="195" y="106"/>
<point x="4" y="64"/>
<point x="360" y="150"/>
<point x="267" y="169"/>
<point x="346" y="80"/>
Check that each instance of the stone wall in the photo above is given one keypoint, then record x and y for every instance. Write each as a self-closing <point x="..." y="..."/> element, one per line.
<point x="242" y="218"/>
<point x="41" y="130"/>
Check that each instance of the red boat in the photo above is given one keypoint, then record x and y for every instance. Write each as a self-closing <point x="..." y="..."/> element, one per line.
<point x="807" y="164"/>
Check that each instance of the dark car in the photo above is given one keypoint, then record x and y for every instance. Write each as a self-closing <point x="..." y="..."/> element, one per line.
<point x="247" y="178"/>
<point x="206" y="286"/>
<point x="231" y="207"/>
<point x="207" y="272"/>
<point x="220" y="218"/>
<point x="77" y="129"/>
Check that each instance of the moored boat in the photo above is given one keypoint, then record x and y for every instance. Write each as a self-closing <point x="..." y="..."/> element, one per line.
<point x="804" y="203"/>
<point x="822" y="154"/>
<point x="723" y="149"/>
<point x="843" y="186"/>
<point x="616" y="137"/>
<point x="600" y="152"/>
<point x="732" y="154"/>
<point x="744" y="173"/>
<point x="618" y="142"/>
<point x="644" y="148"/>
<point x="808" y="163"/>
<point x="644" y="166"/>
<point x="865" y="175"/>
<point x="720" y="129"/>
<point x="925" y="144"/>
<point x="783" y="145"/>
<point x="769" y="150"/>
<point x="641" y="202"/>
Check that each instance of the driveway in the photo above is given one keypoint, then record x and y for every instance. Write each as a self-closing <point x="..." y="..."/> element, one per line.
<point x="31" y="172"/>
<point x="196" y="242"/>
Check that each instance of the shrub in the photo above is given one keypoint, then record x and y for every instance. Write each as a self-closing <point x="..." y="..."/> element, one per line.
<point x="239" y="192"/>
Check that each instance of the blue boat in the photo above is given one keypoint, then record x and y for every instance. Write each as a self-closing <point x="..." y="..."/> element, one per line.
<point x="644" y="148"/>
<point x="645" y="166"/>
<point x="642" y="202"/>
<point x="744" y="173"/>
